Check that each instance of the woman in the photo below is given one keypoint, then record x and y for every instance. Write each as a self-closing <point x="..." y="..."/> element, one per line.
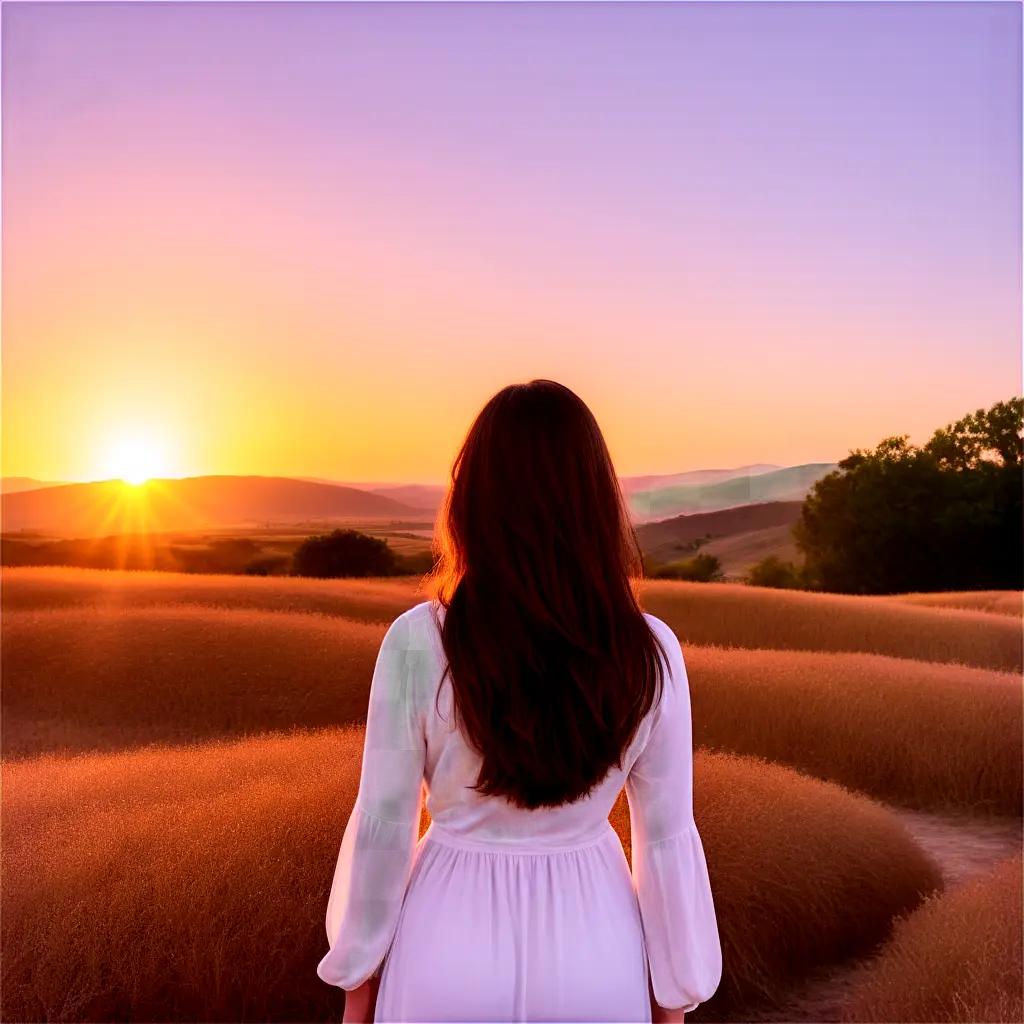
<point x="521" y="700"/>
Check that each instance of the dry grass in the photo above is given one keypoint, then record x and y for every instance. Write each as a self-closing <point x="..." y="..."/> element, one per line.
<point x="723" y="614"/>
<point x="736" y="615"/>
<point x="365" y="600"/>
<point x="920" y="734"/>
<point x="158" y="885"/>
<point x="997" y="602"/>
<point x="957" y="958"/>
<point x="79" y="678"/>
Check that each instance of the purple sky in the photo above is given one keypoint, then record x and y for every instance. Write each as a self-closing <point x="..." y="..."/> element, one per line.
<point x="313" y="238"/>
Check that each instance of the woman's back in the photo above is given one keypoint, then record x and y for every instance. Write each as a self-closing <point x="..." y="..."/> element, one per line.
<point x="452" y="765"/>
<point x="539" y="907"/>
<point x="520" y="702"/>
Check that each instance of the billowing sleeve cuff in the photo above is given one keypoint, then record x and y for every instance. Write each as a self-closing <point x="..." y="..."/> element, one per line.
<point x="369" y="884"/>
<point x="679" y="921"/>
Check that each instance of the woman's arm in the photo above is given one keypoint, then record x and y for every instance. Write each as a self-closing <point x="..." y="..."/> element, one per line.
<point x="659" y="1015"/>
<point x="669" y="868"/>
<point x="360" y="1003"/>
<point x="379" y="841"/>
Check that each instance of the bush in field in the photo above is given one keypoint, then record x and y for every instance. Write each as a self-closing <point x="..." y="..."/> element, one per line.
<point x="942" y="517"/>
<point x="343" y="553"/>
<point x="268" y="565"/>
<point x="774" y="572"/>
<point x="699" y="569"/>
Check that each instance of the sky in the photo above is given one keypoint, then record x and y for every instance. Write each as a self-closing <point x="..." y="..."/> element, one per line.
<point x="313" y="239"/>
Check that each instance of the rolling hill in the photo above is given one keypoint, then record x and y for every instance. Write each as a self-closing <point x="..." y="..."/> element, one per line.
<point x="111" y="506"/>
<point x="692" y="478"/>
<point x="789" y="484"/>
<point x="653" y="491"/>
<point x="669" y="539"/>
<point x="15" y="484"/>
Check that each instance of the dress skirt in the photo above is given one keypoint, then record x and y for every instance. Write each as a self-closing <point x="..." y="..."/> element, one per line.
<point x="492" y="931"/>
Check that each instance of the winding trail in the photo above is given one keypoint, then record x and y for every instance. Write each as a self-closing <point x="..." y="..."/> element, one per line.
<point x="963" y="846"/>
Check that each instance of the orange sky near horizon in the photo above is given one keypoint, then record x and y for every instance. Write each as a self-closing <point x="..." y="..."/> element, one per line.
<point x="252" y="269"/>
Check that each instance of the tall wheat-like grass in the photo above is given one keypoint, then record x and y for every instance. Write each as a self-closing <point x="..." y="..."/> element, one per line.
<point x="365" y="600"/>
<point x="723" y="614"/>
<point x="736" y="615"/>
<point x="956" y="958"/>
<point x="925" y="735"/>
<point x="190" y="884"/>
<point x="998" y="602"/>
<point x="79" y="678"/>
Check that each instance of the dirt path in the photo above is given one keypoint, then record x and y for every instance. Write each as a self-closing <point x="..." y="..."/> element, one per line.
<point x="962" y="845"/>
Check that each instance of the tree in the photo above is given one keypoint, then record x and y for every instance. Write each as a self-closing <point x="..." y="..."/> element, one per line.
<point x="946" y="516"/>
<point x="343" y="553"/>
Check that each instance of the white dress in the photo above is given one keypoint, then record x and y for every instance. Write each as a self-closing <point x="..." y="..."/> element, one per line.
<point x="503" y="914"/>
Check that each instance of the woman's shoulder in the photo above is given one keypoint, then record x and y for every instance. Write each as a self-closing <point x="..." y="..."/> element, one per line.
<point x="671" y="645"/>
<point x="661" y="629"/>
<point x="418" y="626"/>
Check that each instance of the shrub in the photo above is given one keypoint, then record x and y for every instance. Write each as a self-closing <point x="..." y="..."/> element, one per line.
<point x="774" y="572"/>
<point x="699" y="569"/>
<point x="343" y="553"/>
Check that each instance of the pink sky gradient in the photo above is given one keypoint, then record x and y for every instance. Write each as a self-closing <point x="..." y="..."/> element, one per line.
<point x="312" y="239"/>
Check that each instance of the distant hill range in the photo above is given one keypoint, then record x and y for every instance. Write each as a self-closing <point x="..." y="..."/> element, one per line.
<point x="14" y="484"/>
<point x="109" y="506"/>
<point x="659" y="496"/>
<point x="738" y="536"/>
<point x="714" y="490"/>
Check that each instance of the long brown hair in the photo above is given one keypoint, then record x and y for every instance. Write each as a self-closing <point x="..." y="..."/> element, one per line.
<point x="553" y="665"/>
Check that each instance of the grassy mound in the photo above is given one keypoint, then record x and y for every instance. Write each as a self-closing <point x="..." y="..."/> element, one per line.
<point x="997" y="602"/>
<point x="80" y="679"/>
<point x="723" y="614"/>
<point x="957" y="958"/>
<point x="365" y="600"/>
<point x="735" y="615"/>
<point x="924" y="735"/>
<point x="156" y="885"/>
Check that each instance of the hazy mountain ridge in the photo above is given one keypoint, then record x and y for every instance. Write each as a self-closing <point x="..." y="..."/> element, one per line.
<point x="670" y="539"/>
<point x="110" y="506"/>
<point x="107" y="507"/>
<point x="643" y="490"/>
<point x="693" y="477"/>
<point x="17" y="484"/>
<point x="789" y="484"/>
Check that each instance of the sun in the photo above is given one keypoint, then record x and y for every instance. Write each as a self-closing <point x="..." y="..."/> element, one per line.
<point x="134" y="459"/>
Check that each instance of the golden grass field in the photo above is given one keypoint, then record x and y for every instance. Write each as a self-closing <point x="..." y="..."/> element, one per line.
<point x="155" y="885"/>
<point x="1001" y="602"/>
<point x="181" y="753"/>
<point x="726" y="614"/>
<point x="958" y="951"/>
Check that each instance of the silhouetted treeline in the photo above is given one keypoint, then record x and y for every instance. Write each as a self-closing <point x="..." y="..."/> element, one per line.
<point x="945" y="516"/>
<point x="205" y="555"/>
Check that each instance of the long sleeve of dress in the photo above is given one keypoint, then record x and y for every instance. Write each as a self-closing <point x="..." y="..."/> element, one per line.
<point x="670" y="872"/>
<point x="379" y="840"/>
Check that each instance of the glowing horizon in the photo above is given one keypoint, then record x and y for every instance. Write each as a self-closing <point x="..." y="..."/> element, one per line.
<point x="311" y="240"/>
